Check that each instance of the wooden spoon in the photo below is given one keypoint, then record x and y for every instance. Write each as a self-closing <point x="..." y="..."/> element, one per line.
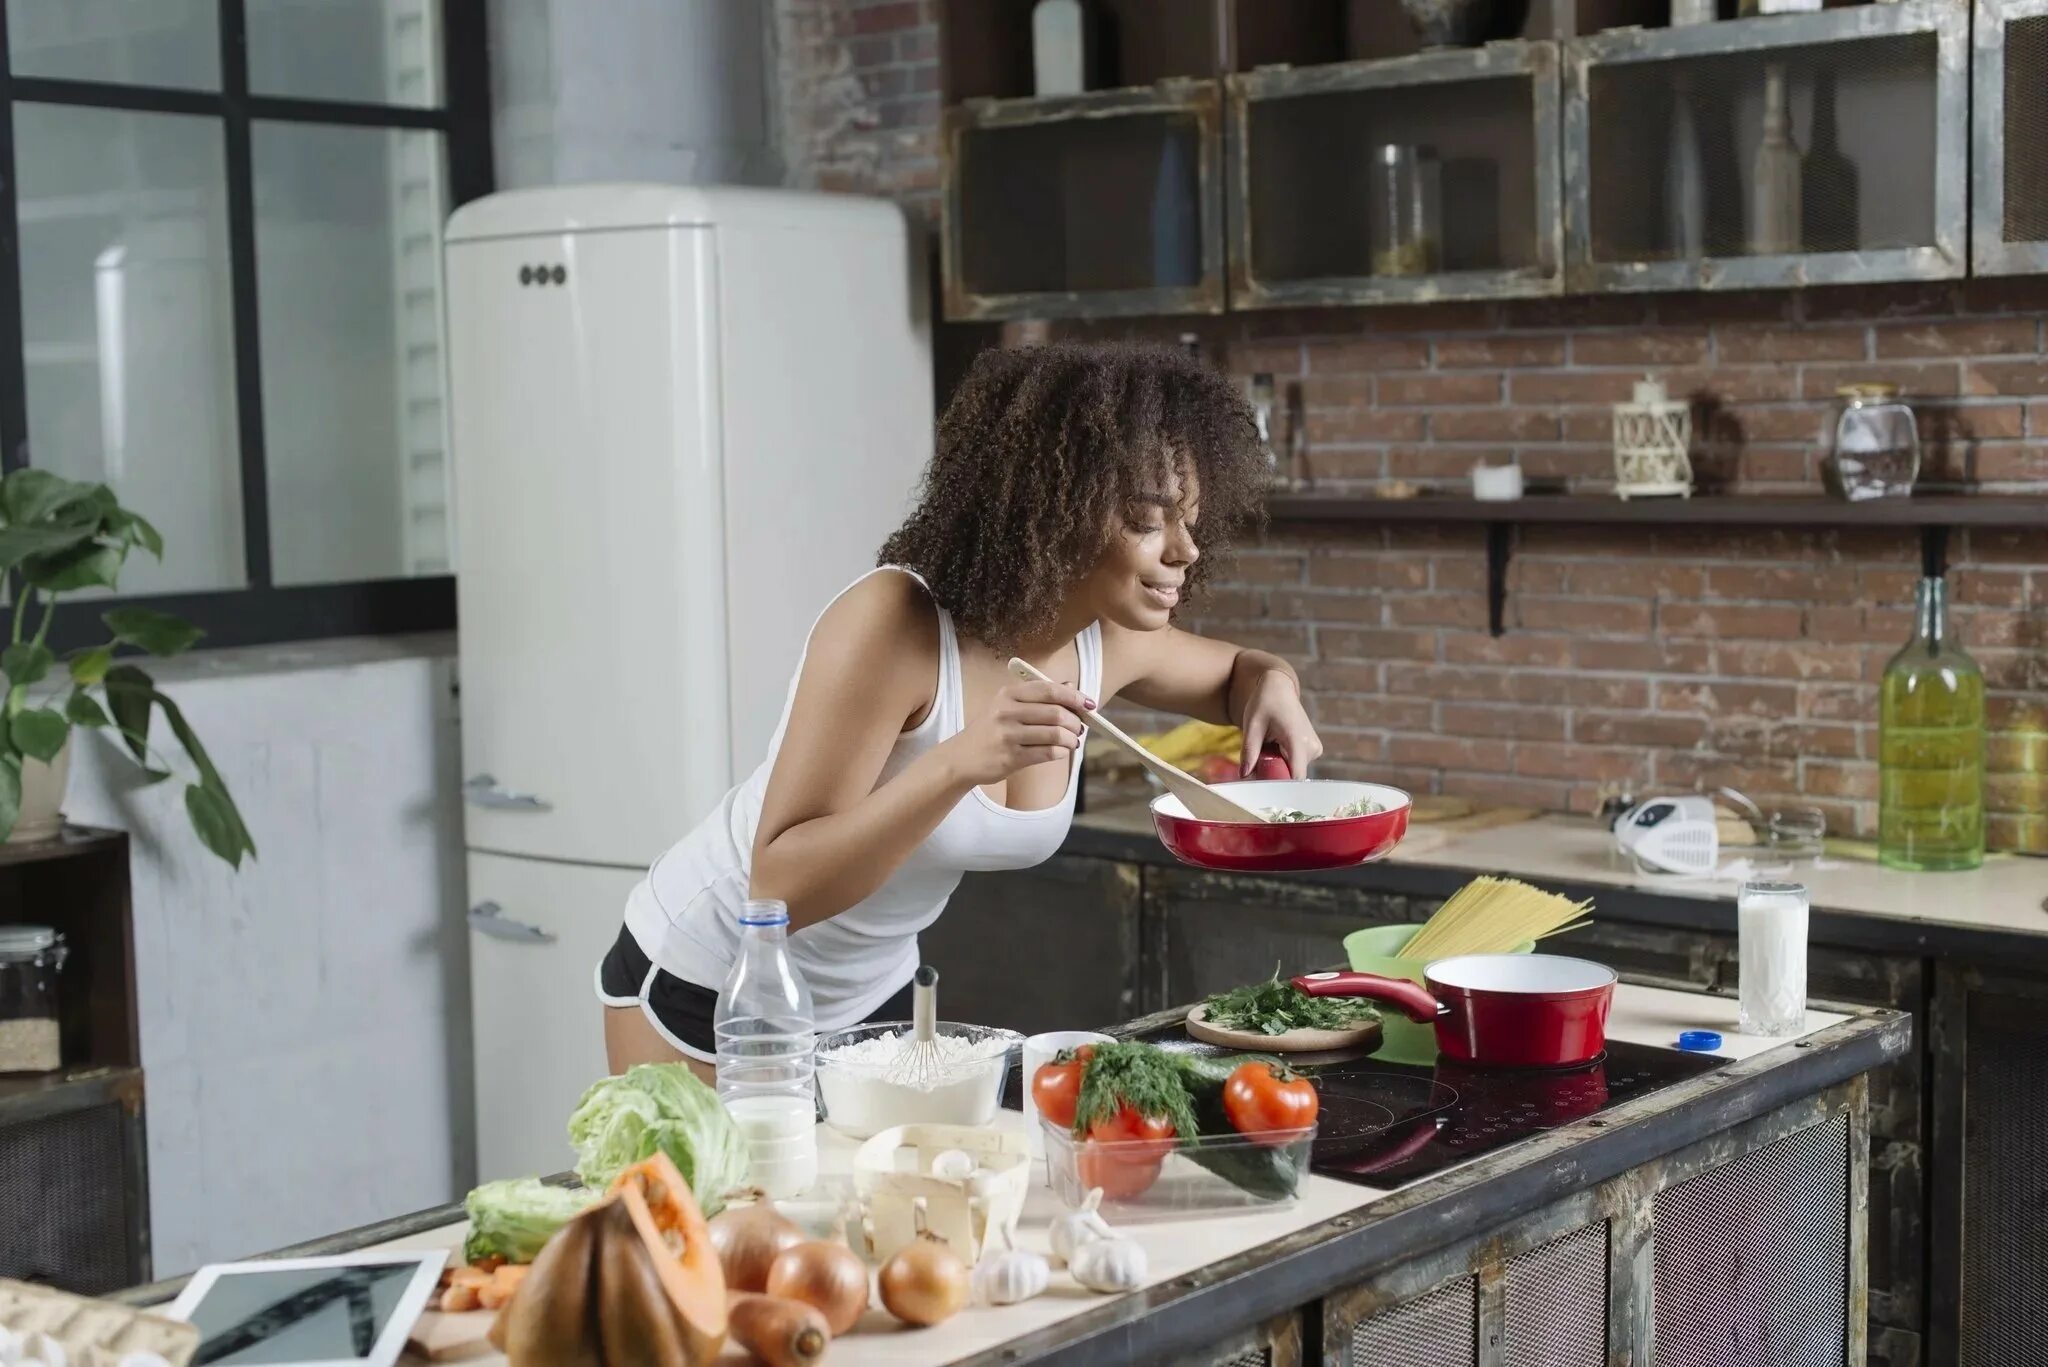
<point x="1203" y="802"/>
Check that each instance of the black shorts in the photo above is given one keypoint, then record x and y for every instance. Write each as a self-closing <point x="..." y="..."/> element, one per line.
<point x="681" y="1010"/>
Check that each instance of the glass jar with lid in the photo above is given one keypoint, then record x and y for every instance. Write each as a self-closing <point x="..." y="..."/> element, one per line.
<point x="30" y="959"/>
<point x="1874" y="447"/>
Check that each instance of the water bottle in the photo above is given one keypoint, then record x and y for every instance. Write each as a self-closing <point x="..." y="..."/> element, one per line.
<point x="765" y="1030"/>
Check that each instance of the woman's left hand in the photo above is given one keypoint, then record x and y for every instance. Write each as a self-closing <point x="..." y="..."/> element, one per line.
<point x="1273" y="715"/>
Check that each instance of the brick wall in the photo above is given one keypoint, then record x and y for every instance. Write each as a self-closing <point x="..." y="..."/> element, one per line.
<point x="1666" y="659"/>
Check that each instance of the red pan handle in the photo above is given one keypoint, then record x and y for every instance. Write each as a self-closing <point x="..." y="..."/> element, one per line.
<point x="1410" y="1000"/>
<point x="1271" y="763"/>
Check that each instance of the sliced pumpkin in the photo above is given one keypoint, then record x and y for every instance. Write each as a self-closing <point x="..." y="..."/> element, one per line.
<point x="672" y="1228"/>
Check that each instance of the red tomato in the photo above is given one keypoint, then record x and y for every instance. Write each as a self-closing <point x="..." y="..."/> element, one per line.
<point x="1108" y="1168"/>
<point x="1270" y="1101"/>
<point x="1056" y="1089"/>
<point x="1139" y="1138"/>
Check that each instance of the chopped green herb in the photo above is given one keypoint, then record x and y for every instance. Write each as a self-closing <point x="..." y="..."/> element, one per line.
<point x="1273" y="1008"/>
<point x="1140" y="1076"/>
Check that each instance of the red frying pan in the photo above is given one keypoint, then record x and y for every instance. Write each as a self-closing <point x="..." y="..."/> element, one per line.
<point x="1497" y="1010"/>
<point x="1285" y="846"/>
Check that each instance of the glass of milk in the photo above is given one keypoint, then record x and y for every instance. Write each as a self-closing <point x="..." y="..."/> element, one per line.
<point x="1770" y="923"/>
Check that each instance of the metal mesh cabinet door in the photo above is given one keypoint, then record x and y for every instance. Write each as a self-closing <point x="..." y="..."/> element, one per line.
<point x="1276" y="1343"/>
<point x="1554" y="1310"/>
<point x="69" y="1197"/>
<point x="1991" y="1242"/>
<point x="1439" y="1328"/>
<point x="1750" y="1259"/>
<point x="2009" y="138"/>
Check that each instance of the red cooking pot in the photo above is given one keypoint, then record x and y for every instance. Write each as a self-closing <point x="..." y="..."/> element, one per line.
<point x="1285" y="846"/>
<point x="1496" y="1010"/>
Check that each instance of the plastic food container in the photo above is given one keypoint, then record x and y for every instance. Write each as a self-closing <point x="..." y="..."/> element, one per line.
<point x="30" y="959"/>
<point x="1187" y="1179"/>
<point x="858" y="1097"/>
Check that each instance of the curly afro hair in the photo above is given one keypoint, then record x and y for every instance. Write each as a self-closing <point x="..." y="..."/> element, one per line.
<point x="1042" y="455"/>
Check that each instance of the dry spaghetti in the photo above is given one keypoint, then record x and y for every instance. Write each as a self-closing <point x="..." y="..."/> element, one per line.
<point x="1492" y="916"/>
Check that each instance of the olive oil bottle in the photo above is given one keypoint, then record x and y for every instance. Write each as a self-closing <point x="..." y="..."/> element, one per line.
<point x="1931" y="747"/>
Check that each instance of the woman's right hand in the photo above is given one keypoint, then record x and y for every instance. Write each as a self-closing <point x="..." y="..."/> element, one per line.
<point x="1027" y="724"/>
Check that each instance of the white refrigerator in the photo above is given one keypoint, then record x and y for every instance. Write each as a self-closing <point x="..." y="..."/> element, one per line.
<point x="682" y="419"/>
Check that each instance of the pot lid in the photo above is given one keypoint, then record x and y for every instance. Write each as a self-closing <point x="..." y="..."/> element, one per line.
<point x="26" y="939"/>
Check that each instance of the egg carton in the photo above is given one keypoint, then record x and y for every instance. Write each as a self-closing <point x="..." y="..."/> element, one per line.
<point x="85" y="1332"/>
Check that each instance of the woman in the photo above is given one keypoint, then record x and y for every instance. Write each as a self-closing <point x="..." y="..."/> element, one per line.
<point x="1065" y="518"/>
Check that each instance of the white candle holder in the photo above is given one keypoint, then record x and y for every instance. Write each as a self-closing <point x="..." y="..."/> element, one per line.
<point x="1652" y="439"/>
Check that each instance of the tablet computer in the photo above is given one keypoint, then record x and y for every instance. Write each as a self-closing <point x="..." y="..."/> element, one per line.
<point x="348" y="1311"/>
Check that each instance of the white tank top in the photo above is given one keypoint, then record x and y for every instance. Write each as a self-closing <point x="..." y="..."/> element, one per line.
<point x="684" y="914"/>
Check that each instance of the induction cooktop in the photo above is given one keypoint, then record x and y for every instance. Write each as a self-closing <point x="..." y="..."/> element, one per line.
<point x="1385" y="1125"/>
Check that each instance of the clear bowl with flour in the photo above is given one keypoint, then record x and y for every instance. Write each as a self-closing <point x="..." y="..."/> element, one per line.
<point x="859" y="1076"/>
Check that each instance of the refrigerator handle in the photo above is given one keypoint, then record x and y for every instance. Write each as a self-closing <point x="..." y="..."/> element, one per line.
<point x="485" y="791"/>
<point x="490" y="918"/>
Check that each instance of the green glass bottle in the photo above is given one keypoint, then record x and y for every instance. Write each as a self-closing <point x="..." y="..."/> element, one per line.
<point x="1931" y="747"/>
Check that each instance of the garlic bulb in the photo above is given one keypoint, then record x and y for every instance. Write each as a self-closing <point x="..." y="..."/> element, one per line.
<point x="955" y="1165"/>
<point x="1010" y="1276"/>
<point x="1113" y="1264"/>
<point x="1078" y="1227"/>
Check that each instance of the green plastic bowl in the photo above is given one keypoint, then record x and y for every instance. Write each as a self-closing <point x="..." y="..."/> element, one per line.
<point x="1376" y="950"/>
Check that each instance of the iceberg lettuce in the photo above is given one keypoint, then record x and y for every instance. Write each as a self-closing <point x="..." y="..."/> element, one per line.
<point x="659" y="1106"/>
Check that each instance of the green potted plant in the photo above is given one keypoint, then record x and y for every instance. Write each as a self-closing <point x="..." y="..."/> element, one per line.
<point x="58" y="536"/>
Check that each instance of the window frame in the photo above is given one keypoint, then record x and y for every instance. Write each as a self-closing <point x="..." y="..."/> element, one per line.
<point x="263" y="612"/>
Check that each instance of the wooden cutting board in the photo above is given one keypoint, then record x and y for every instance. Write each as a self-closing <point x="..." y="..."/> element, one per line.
<point x="1365" y="1037"/>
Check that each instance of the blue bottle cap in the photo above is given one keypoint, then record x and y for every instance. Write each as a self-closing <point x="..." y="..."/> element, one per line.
<point x="1699" y="1041"/>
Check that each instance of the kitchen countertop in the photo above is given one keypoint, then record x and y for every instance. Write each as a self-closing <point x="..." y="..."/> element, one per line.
<point x="1335" y="1230"/>
<point x="2005" y="901"/>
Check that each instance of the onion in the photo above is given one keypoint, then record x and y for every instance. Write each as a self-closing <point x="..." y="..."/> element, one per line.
<point x="924" y="1282"/>
<point x="825" y="1276"/>
<point x="748" y="1239"/>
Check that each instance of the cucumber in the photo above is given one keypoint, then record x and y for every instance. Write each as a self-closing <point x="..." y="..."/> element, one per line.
<point x="1267" y="1173"/>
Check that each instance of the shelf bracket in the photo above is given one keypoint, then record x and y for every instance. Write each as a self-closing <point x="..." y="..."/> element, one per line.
<point x="1499" y="542"/>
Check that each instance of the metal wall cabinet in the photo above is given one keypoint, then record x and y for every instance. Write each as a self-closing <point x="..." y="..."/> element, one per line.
<point x="1098" y="205"/>
<point x="2009" y="138"/>
<point x="1300" y="147"/>
<point x="1990" y="1246"/>
<point x="1879" y="108"/>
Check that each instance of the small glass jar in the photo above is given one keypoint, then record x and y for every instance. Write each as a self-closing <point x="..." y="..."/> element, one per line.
<point x="1770" y="927"/>
<point x="30" y="959"/>
<point x="1407" y="211"/>
<point x="1874" y="450"/>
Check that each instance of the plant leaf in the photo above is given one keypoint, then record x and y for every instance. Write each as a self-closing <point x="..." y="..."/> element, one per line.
<point x="27" y="663"/>
<point x="32" y="495"/>
<point x="87" y="566"/>
<point x="80" y="709"/>
<point x="18" y="544"/>
<point x="136" y="530"/>
<point x="90" y="666"/>
<point x="10" y="793"/>
<point x="129" y="696"/>
<point x="214" y="818"/>
<point x="40" y="733"/>
<point x="159" y="633"/>
<point x="208" y="775"/>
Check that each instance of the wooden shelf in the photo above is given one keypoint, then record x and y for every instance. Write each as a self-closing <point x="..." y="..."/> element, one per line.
<point x="1729" y="510"/>
<point x="1932" y="515"/>
<point x="28" y="1096"/>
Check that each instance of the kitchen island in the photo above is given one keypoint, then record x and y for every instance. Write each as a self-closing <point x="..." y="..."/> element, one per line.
<point x="1114" y="927"/>
<point x="1720" y="1215"/>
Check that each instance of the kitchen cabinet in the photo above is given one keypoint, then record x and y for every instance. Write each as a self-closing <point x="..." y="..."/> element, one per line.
<point x="1049" y="948"/>
<point x="2009" y="138"/>
<point x="1665" y="186"/>
<point x="1990" y="1245"/>
<point x="1309" y="136"/>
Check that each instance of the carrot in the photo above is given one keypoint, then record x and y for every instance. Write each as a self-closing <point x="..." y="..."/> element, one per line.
<point x="460" y="1299"/>
<point x="778" y="1331"/>
<point x="474" y="1277"/>
<point x="502" y="1284"/>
